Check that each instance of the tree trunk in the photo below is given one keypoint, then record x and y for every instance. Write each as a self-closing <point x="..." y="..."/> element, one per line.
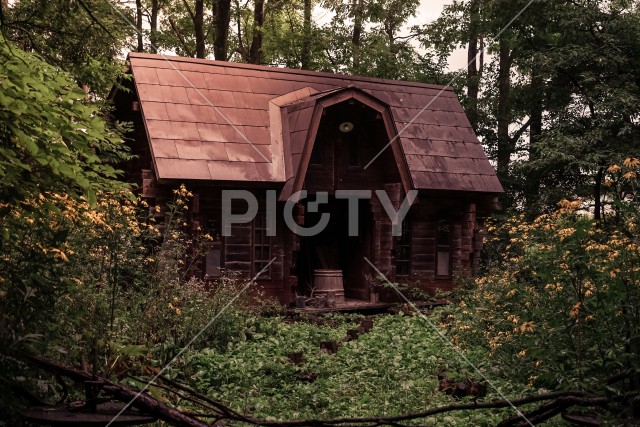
<point x="305" y="57"/>
<point x="357" y="30"/>
<point x="222" y="14"/>
<point x="481" y="60"/>
<point x="135" y="399"/>
<point x="505" y="144"/>
<point x="597" y="195"/>
<point x="198" y="24"/>
<point x="153" y="23"/>
<point x="473" y="83"/>
<point x="255" y="51"/>
<point x="140" y="47"/>
<point x="535" y="131"/>
<point x="390" y="31"/>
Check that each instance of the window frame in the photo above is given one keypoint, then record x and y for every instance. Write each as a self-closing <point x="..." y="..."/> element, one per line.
<point x="403" y="241"/>
<point x="442" y="246"/>
<point x="259" y="225"/>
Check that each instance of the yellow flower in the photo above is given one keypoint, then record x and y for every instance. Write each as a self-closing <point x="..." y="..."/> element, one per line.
<point x="178" y="311"/>
<point x="575" y="310"/>
<point x="569" y="205"/>
<point x="59" y="254"/>
<point x="522" y="353"/>
<point x="629" y="175"/>
<point x="631" y="162"/>
<point x="566" y="232"/>
<point x="613" y="168"/>
<point x="527" y="327"/>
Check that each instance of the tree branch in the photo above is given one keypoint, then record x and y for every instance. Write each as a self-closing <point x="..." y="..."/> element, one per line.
<point x="559" y="401"/>
<point x="189" y="11"/>
<point x="178" y="34"/>
<point x="516" y="136"/>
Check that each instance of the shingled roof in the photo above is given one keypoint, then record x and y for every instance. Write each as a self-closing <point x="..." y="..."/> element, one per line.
<point x="212" y="120"/>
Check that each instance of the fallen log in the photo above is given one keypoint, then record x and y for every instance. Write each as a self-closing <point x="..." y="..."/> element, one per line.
<point x="143" y="402"/>
<point x="556" y="402"/>
<point x="551" y="409"/>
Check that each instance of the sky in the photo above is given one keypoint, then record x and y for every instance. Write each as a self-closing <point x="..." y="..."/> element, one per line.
<point x="428" y="11"/>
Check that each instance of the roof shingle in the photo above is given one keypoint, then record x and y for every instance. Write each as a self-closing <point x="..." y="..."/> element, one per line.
<point x="210" y="120"/>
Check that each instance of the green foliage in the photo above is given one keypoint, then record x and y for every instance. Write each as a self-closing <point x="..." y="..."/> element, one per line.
<point x="55" y="152"/>
<point x="110" y="284"/>
<point x="84" y="38"/>
<point x="52" y="139"/>
<point x="138" y="283"/>
<point x="390" y="370"/>
<point x="558" y="303"/>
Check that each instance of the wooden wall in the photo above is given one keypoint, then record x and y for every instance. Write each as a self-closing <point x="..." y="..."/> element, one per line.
<point x="466" y="234"/>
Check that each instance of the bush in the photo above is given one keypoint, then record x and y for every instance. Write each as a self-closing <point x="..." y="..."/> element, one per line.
<point x="139" y="286"/>
<point x="557" y="306"/>
<point x="117" y="288"/>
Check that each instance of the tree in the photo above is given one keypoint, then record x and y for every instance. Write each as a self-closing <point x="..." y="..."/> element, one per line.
<point x="365" y="40"/>
<point x="56" y="151"/>
<point x="555" y="104"/>
<point x="306" y="37"/>
<point x="53" y="140"/>
<point x="255" y="49"/>
<point x="222" y="14"/>
<point x="83" y="38"/>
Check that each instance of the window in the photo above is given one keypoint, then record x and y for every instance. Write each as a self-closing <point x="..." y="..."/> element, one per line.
<point x="213" y="258"/>
<point x="443" y="249"/>
<point x="212" y="263"/>
<point x="402" y="245"/>
<point x="261" y="246"/>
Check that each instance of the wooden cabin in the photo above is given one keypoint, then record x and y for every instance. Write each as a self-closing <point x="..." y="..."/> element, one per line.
<point x="218" y="126"/>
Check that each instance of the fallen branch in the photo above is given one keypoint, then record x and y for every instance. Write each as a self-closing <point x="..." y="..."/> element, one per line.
<point x="556" y="402"/>
<point x="145" y="403"/>
<point x="375" y="421"/>
<point x="553" y="408"/>
<point x="178" y="394"/>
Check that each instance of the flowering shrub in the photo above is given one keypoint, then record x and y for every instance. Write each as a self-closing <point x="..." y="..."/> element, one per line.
<point x="114" y="283"/>
<point x="558" y="303"/>
<point x="137" y="281"/>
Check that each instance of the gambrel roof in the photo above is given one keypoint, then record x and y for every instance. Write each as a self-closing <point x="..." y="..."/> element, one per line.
<point x="223" y="121"/>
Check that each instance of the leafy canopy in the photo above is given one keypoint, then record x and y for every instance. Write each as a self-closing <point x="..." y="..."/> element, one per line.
<point x="51" y="138"/>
